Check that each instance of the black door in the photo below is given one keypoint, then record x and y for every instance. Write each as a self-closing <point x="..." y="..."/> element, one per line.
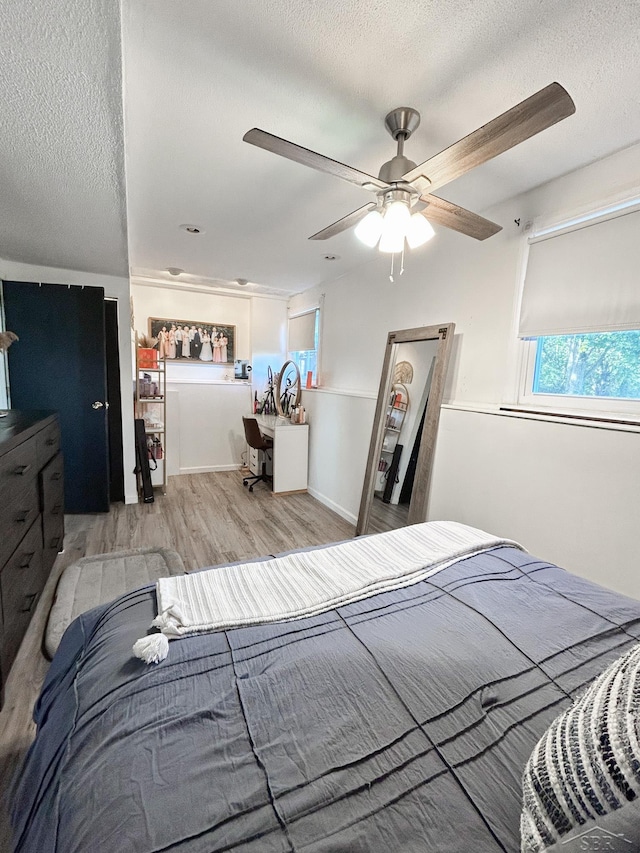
<point x="59" y="364"/>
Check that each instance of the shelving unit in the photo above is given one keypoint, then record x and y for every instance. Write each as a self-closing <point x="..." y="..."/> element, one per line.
<point x="390" y="452"/>
<point x="151" y="406"/>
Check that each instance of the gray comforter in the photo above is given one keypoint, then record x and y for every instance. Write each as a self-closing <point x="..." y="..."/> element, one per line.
<point x="397" y="724"/>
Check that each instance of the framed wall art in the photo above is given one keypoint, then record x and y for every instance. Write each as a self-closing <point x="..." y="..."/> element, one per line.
<point x="193" y="342"/>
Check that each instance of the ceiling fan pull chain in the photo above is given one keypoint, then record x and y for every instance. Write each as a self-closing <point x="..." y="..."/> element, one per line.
<point x="402" y="260"/>
<point x="391" y="273"/>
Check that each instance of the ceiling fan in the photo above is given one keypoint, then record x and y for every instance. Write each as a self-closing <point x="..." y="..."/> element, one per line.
<point x="405" y="205"/>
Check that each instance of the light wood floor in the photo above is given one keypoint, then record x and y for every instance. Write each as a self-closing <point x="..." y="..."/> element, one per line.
<point x="208" y="519"/>
<point x="384" y="516"/>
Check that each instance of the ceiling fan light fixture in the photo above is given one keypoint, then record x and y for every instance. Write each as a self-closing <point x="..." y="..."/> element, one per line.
<point x="369" y="229"/>
<point x="419" y="231"/>
<point x="394" y="228"/>
<point x="400" y="179"/>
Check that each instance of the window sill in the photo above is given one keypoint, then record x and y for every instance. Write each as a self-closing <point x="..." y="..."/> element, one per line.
<point x="341" y="392"/>
<point x="173" y="380"/>
<point x="598" y="420"/>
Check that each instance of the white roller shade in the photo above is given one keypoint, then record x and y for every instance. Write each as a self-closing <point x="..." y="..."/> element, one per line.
<point x="587" y="280"/>
<point x="302" y="332"/>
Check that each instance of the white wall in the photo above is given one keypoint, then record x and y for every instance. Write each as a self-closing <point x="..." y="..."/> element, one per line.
<point x="339" y="435"/>
<point x="268" y="340"/>
<point x="475" y="285"/>
<point x="193" y="305"/>
<point x="116" y="288"/>
<point x="204" y="425"/>
<point x="568" y="493"/>
<point x="204" y="403"/>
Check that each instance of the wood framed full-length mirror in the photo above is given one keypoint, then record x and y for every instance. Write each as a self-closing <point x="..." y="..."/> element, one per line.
<point x="405" y="424"/>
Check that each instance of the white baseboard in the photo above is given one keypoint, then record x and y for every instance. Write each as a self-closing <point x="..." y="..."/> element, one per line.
<point x="208" y="469"/>
<point x="348" y="516"/>
<point x="131" y="497"/>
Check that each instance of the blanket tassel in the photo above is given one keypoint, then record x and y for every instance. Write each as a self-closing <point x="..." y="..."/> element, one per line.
<point x="152" y="648"/>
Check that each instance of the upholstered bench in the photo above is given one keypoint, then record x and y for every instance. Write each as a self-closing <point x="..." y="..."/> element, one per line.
<point x="96" y="580"/>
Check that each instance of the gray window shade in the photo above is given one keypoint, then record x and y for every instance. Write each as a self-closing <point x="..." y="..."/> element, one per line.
<point x="302" y="332"/>
<point x="587" y="280"/>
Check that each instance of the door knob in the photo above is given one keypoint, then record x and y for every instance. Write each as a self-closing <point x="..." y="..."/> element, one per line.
<point x="97" y="405"/>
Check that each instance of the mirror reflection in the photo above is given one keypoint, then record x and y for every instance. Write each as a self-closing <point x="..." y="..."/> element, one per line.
<point x="407" y="413"/>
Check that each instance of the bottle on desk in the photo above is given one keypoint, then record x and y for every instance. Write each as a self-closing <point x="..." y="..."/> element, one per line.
<point x="298" y="415"/>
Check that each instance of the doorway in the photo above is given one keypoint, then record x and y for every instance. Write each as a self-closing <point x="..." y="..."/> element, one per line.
<point x="59" y="364"/>
<point x="114" y="412"/>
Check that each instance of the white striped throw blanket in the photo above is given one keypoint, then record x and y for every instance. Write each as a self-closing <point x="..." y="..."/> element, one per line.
<point x="306" y="583"/>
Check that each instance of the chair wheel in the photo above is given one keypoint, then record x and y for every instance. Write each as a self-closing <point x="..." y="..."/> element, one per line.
<point x="244" y="482"/>
<point x="250" y="488"/>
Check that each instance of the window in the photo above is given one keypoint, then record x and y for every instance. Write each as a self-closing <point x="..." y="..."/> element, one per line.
<point x="303" y="344"/>
<point x="580" y="315"/>
<point x="600" y="364"/>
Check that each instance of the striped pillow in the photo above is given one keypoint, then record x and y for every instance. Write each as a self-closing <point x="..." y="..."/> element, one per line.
<point x="587" y="764"/>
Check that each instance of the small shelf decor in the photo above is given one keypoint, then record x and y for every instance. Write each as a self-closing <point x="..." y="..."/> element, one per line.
<point x="147" y="354"/>
<point x="151" y="406"/>
<point x="397" y="406"/>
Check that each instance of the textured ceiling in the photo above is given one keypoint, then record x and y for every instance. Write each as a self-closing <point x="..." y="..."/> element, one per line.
<point x="62" y="194"/>
<point x="322" y="73"/>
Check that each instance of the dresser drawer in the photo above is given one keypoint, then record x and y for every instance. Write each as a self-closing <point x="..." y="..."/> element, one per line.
<point x="52" y="486"/>
<point x="20" y="586"/>
<point x="23" y="569"/>
<point x="17" y="467"/>
<point x="53" y="533"/>
<point x="31" y="507"/>
<point x="17" y="516"/>
<point x="48" y="440"/>
<point x="52" y="493"/>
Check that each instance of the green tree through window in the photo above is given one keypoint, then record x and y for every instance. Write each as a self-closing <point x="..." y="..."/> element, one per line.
<point x="601" y="364"/>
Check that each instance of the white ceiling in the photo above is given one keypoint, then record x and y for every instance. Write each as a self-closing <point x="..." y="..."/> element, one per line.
<point x="62" y="192"/>
<point x="322" y="73"/>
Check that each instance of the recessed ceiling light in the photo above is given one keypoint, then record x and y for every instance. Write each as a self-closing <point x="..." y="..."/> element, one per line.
<point x="174" y="270"/>
<point x="331" y="257"/>
<point x="192" y="229"/>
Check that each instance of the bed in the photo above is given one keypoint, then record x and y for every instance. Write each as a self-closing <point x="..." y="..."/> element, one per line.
<point x="399" y="722"/>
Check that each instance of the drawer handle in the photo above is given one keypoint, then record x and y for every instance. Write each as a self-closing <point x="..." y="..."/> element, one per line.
<point x="27" y="604"/>
<point x="27" y="560"/>
<point x="21" y="470"/>
<point x="22" y="516"/>
<point x="50" y="442"/>
<point x="56" y="476"/>
<point x="55" y="510"/>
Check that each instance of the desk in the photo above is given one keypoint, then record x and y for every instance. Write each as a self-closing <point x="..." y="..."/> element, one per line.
<point x="290" y="452"/>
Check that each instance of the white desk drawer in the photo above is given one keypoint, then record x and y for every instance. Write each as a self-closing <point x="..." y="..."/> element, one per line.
<point x="289" y="456"/>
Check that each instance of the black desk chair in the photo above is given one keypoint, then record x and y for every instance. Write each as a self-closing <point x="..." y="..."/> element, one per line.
<point x="258" y="441"/>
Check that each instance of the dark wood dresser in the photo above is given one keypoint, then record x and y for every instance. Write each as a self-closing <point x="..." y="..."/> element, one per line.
<point x="31" y="520"/>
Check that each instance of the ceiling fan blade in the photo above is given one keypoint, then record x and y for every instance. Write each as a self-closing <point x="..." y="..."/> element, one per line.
<point x="287" y="149"/>
<point x="540" y="111"/>
<point x="443" y="212"/>
<point x="346" y="222"/>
